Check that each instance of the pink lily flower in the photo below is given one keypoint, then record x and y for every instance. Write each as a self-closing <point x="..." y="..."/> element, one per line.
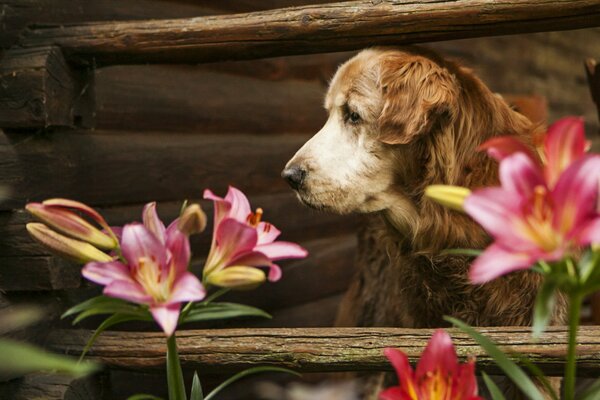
<point x="242" y="242"/>
<point x="438" y="376"/>
<point x="154" y="270"/>
<point x="540" y="212"/>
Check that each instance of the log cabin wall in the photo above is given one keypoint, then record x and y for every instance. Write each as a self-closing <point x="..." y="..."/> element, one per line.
<point x="165" y="132"/>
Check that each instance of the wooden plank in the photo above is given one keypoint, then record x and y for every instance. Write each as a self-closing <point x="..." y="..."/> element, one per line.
<point x="592" y="70"/>
<point x="38" y="89"/>
<point x="322" y="349"/>
<point x="309" y="29"/>
<point x="38" y="273"/>
<point x="54" y="387"/>
<point x="109" y="168"/>
<point x="188" y="98"/>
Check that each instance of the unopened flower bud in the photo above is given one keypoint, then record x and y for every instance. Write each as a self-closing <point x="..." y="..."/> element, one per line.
<point x="447" y="195"/>
<point x="237" y="277"/>
<point x="71" y="224"/>
<point x="64" y="246"/>
<point x="192" y="220"/>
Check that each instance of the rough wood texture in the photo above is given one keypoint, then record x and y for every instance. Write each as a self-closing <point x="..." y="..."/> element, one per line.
<point x="38" y="89"/>
<point x="53" y="387"/>
<point x="321" y="349"/>
<point x="592" y="70"/>
<point x="309" y="29"/>
<point x="38" y="273"/>
<point x="107" y="168"/>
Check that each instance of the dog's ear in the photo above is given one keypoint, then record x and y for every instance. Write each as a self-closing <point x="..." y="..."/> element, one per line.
<point x="416" y="93"/>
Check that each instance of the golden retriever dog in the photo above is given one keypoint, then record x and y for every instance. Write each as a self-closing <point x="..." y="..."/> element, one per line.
<point x="400" y="120"/>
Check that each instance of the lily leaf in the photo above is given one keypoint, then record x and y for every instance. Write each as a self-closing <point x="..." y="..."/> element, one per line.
<point x="512" y="370"/>
<point x="214" y="311"/>
<point x="175" y="382"/>
<point x="21" y="358"/>
<point x="244" y="374"/>
<point x="592" y="392"/>
<point x="495" y="392"/>
<point x="127" y="309"/>
<point x="196" y="393"/>
<point x="95" y="302"/>
<point x="107" y="323"/>
<point x="462" y="252"/>
<point x="544" y="305"/>
<point x="143" y="396"/>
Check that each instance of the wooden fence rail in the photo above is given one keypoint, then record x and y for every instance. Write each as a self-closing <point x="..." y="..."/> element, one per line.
<point x="320" y="349"/>
<point x="309" y="29"/>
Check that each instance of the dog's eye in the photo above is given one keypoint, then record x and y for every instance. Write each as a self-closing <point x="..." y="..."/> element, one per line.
<point x="354" y="117"/>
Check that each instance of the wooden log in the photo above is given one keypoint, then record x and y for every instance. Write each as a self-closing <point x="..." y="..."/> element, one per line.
<point x="39" y="90"/>
<point x="54" y="387"/>
<point x="592" y="70"/>
<point x="309" y="29"/>
<point x="322" y="349"/>
<point x="38" y="273"/>
<point x="109" y="168"/>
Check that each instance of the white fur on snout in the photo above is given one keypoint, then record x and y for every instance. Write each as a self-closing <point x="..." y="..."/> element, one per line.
<point x="343" y="172"/>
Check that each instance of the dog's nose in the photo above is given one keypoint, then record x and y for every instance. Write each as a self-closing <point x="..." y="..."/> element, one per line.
<point x="294" y="176"/>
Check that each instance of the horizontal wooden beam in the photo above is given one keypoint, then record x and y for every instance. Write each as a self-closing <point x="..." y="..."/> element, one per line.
<point x="309" y="29"/>
<point x="321" y="349"/>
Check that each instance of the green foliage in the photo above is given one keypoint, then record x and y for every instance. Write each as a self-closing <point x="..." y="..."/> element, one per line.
<point x="143" y="396"/>
<point x="512" y="370"/>
<point x="217" y="311"/>
<point x="196" y="393"/>
<point x="21" y="358"/>
<point x="244" y="374"/>
<point x="495" y="392"/>
<point x="174" y="373"/>
<point x="544" y="306"/>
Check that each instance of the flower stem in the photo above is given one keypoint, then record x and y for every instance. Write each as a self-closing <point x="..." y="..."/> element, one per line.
<point x="570" y="369"/>
<point x="174" y="373"/>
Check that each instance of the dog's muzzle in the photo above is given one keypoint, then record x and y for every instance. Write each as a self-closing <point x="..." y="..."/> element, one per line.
<point x="294" y="176"/>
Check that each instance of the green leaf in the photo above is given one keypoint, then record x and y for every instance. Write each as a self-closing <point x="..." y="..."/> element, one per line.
<point x="196" y="393"/>
<point x="462" y="252"/>
<point x="143" y="396"/>
<point x="174" y="373"/>
<point x="21" y="358"/>
<point x="216" y="311"/>
<point x="592" y="392"/>
<point x="18" y="317"/>
<point x="544" y="305"/>
<point x="495" y="392"/>
<point x="245" y="373"/>
<point x="95" y="302"/>
<point x="127" y="309"/>
<point x="107" y="323"/>
<point x="539" y="375"/>
<point x="512" y="370"/>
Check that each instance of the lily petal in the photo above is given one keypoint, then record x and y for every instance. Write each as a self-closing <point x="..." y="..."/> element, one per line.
<point x="576" y="194"/>
<point x="564" y="144"/>
<point x="187" y="288"/>
<point x="406" y="376"/>
<point x="267" y="233"/>
<point x="221" y="207"/>
<point x="394" y="393"/>
<point x="126" y="290"/>
<point x="235" y="238"/>
<point x="240" y="206"/>
<point x="496" y="261"/>
<point x="501" y="147"/>
<point x="237" y="277"/>
<point x="179" y="246"/>
<point x="274" y="273"/>
<point x="590" y="233"/>
<point x="79" y="207"/>
<point x="104" y="273"/>
<point x="138" y="242"/>
<point x="438" y="355"/>
<point x="520" y="175"/>
<point x="279" y="250"/>
<point x="167" y="316"/>
<point x="152" y="222"/>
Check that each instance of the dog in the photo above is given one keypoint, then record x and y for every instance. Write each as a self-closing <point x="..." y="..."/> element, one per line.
<point x="401" y="119"/>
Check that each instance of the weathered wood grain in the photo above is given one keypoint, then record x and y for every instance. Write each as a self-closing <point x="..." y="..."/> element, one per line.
<point x="38" y="273"/>
<point x="38" y="89"/>
<point x="54" y="387"/>
<point x="321" y="349"/>
<point x="310" y="29"/>
<point x="110" y="168"/>
<point x="592" y="70"/>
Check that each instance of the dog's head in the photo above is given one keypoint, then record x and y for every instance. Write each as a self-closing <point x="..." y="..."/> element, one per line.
<point x="380" y="103"/>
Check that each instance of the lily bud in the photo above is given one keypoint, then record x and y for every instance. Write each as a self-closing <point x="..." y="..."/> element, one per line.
<point x="447" y="195"/>
<point x="71" y="224"/>
<point x="237" y="277"/>
<point x="192" y="220"/>
<point x="64" y="246"/>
